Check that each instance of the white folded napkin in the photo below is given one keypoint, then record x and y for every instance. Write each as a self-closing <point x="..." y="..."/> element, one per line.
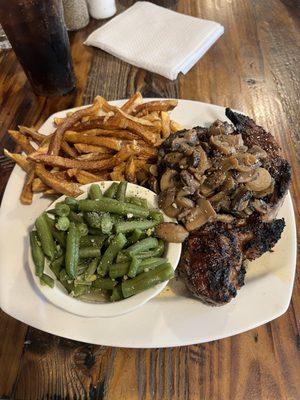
<point x="156" y="39"/>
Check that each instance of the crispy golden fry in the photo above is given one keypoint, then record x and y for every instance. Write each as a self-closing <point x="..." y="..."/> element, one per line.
<point x="111" y="143"/>
<point x="130" y="170"/>
<point x="19" y="159"/>
<point x="70" y="151"/>
<point x="131" y="104"/>
<point x="22" y="140"/>
<point x="152" y="116"/>
<point x="90" y="148"/>
<point x="116" y="133"/>
<point x="51" y="192"/>
<point x="94" y="156"/>
<point x="59" y="185"/>
<point x="32" y="133"/>
<point x="126" y="152"/>
<point x="125" y="121"/>
<point x="38" y="186"/>
<point x="27" y="194"/>
<point x="174" y="126"/>
<point x="56" y="139"/>
<point x="84" y="177"/>
<point x="165" y="125"/>
<point x="117" y="176"/>
<point x="156" y="105"/>
<point x="66" y="163"/>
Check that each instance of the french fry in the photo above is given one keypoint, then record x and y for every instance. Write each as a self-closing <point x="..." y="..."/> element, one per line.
<point x="117" y="176"/>
<point x="32" y="133"/>
<point x="126" y="152"/>
<point x="117" y="133"/>
<point x="51" y="192"/>
<point x="125" y="121"/>
<point x="165" y="125"/>
<point x="39" y="186"/>
<point x="59" y="185"/>
<point x="130" y="170"/>
<point x="84" y="177"/>
<point x="94" y="156"/>
<point x="19" y="159"/>
<point x="111" y="143"/>
<point x="156" y="105"/>
<point x="90" y="148"/>
<point x="27" y="194"/>
<point x="22" y="141"/>
<point x="57" y="137"/>
<point x="131" y="104"/>
<point x="175" y="127"/>
<point x="68" y="149"/>
<point x="66" y="163"/>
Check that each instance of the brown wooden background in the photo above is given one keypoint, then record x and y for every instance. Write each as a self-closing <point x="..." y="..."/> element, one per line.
<point x="254" y="67"/>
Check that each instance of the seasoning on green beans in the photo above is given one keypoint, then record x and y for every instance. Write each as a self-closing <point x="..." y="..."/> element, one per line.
<point x="104" y="245"/>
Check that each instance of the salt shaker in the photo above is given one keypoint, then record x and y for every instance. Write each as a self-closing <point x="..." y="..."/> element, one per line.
<point x="76" y="14"/>
<point x="101" y="9"/>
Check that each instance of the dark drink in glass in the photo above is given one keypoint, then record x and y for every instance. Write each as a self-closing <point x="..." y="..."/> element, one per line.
<point x="37" y="33"/>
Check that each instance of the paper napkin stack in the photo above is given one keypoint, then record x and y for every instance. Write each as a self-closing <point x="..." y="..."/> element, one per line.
<point x="157" y="39"/>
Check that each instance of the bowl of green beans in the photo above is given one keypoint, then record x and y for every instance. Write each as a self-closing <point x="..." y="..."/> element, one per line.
<point x="97" y="255"/>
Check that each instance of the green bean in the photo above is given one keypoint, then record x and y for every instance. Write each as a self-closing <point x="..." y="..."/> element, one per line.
<point x="72" y="203"/>
<point x="89" y="252"/>
<point x="80" y="290"/>
<point x="121" y="192"/>
<point x="59" y="236"/>
<point x="82" y="228"/>
<point x="37" y="254"/>
<point x="106" y="284"/>
<point x="134" y="265"/>
<point x="112" y="190"/>
<point x="62" y="223"/>
<point x="92" y="240"/>
<point x="92" y="268"/>
<point x="157" y="216"/>
<point x="75" y="217"/>
<point x="62" y="209"/>
<point x="116" y="294"/>
<point x="128" y="226"/>
<point x="117" y="243"/>
<point x="142" y="245"/>
<point x="134" y="237"/>
<point x="137" y="201"/>
<point x="157" y="252"/>
<point x="65" y="280"/>
<point x="106" y="223"/>
<point x="72" y="251"/>
<point x="114" y="206"/>
<point x="45" y="236"/>
<point x="56" y="265"/>
<point x="147" y="280"/>
<point x="122" y="257"/>
<point x="93" y="219"/>
<point x="94" y="192"/>
<point x="95" y="231"/>
<point x="47" y="280"/>
<point x="118" y="270"/>
<point x="84" y="280"/>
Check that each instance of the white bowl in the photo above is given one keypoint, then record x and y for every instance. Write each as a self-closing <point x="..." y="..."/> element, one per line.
<point x="59" y="296"/>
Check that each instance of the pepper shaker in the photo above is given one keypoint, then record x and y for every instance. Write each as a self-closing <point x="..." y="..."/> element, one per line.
<point x="76" y="14"/>
<point x="101" y="9"/>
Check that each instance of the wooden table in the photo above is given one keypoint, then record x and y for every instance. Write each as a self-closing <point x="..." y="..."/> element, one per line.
<point x="254" y="67"/>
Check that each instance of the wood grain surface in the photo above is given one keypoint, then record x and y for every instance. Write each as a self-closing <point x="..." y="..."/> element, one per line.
<point x="254" y="67"/>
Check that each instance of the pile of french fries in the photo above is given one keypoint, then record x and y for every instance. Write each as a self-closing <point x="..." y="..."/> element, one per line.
<point x="99" y="142"/>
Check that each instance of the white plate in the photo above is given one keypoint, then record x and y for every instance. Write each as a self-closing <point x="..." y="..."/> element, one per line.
<point x="172" y="319"/>
<point x="59" y="296"/>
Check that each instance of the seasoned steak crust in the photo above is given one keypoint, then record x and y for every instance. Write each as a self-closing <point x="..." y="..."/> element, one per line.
<point x="212" y="261"/>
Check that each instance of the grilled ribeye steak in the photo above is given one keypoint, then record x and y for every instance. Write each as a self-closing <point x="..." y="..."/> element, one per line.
<point x="212" y="261"/>
<point x="214" y="255"/>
